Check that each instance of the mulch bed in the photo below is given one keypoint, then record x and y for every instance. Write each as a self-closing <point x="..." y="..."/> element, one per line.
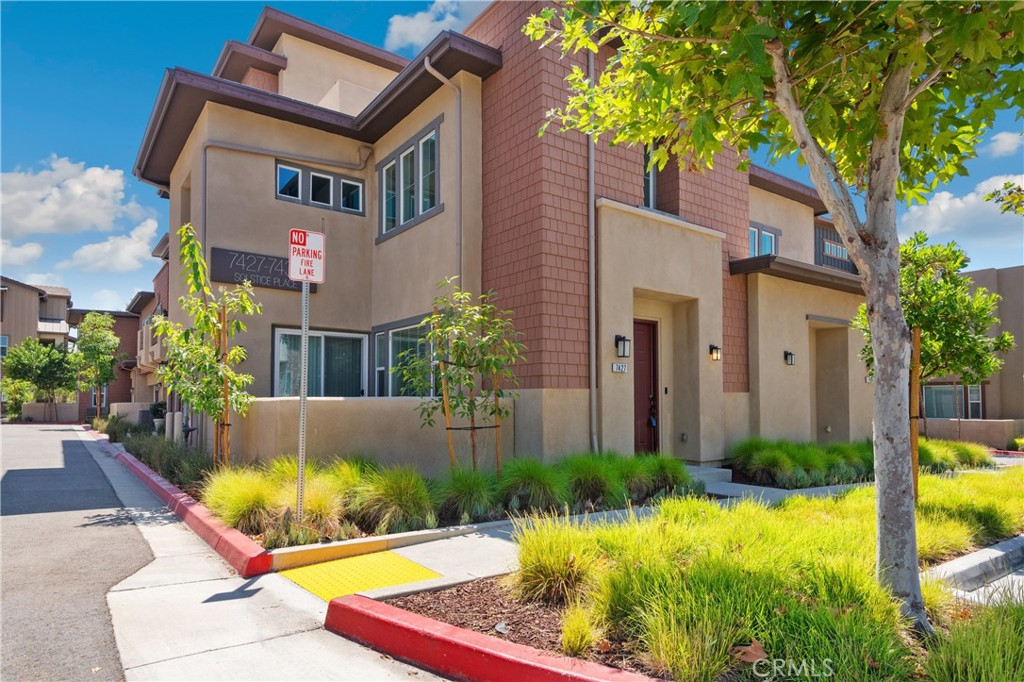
<point x="488" y="606"/>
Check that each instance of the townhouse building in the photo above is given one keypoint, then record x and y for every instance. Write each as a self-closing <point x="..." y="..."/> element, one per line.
<point x="662" y="310"/>
<point x="120" y="390"/>
<point x="34" y="311"/>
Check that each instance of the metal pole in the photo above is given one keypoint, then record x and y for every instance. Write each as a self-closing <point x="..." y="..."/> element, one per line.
<point x="303" y="390"/>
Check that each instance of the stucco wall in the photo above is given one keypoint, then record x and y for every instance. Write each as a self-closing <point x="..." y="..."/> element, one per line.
<point x="387" y="430"/>
<point x="825" y="387"/>
<point x="995" y="433"/>
<point x="66" y="413"/>
<point x="652" y="266"/>
<point x="313" y="70"/>
<point x="1004" y="393"/>
<point x="552" y="422"/>
<point x="794" y="220"/>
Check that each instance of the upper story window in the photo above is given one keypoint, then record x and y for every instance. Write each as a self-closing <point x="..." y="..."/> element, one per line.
<point x="4" y="340"/>
<point x="650" y="181"/>
<point x="834" y="250"/>
<point x="763" y="240"/>
<point x="319" y="189"/>
<point x="410" y="182"/>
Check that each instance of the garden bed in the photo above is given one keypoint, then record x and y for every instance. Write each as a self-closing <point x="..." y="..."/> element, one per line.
<point x="680" y="590"/>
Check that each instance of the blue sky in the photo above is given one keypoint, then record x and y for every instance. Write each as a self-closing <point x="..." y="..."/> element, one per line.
<point x="78" y="81"/>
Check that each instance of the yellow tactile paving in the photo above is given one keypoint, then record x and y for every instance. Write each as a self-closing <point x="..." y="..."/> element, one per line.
<point x="357" y="574"/>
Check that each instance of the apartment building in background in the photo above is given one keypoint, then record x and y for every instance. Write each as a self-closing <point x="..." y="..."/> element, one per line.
<point x="730" y="289"/>
<point x="126" y="326"/>
<point x="32" y="311"/>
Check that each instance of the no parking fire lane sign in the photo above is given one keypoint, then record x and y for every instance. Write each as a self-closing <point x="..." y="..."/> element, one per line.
<point x="306" y="256"/>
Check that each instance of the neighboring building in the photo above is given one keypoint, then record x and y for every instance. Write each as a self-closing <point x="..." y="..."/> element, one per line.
<point x="32" y="311"/>
<point x="126" y="327"/>
<point x="734" y="293"/>
<point x="1000" y="398"/>
<point x="146" y="386"/>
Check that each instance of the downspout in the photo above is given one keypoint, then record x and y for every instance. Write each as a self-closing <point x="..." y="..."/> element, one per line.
<point x="592" y="275"/>
<point x="458" y="164"/>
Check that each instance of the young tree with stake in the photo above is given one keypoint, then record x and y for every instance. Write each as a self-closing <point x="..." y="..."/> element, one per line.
<point x="881" y="101"/>
<point x="97" y="344"/>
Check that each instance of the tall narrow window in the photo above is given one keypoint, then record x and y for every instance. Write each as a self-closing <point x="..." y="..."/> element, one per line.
<point x="753" y="241"/>
<point x="410" y="339"/>
<point x="289" y="182"/>
<point x="763" y="240"/>
<point x="767" y="243"/>
<point x="974" y="402"/>
<point x="321" y="189"/>
<point x="650" y="181"/>
<point x="380" y="361"/>
<point x="408" y="161"/>
<point x="428" y="172"/>
<point x="351" y="196"/>
<point x="390" y="190"/>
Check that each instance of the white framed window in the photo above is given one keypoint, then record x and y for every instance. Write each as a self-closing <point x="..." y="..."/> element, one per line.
<point x="974" y="402"/>
<point x="428" y="172"/>
<point x="407" y="166"/>
<point x="389" y="196"/>
<point x="380" y="356"/>
<point x="835" y="250"/>
<point x="351" y="196"/>
<point x="321" y="189"/>
<point x="289" y="182"/>
<point x="650" y="181"/>
<point x="946" y="401"/>
<point x="763" y="240"/>
<point x="401" y="340"/>
<point x="336" y="365"/>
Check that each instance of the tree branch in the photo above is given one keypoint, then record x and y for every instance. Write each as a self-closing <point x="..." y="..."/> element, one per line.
<point x="928" y="82"/>
<point x="660" y="37"/>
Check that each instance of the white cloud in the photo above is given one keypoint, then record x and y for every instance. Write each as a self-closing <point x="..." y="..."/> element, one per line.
<point x="416" y="30"/>
<point x="1004" y="144"/>
<point x="64" y="197"/>
<point x="990" y="238"/>
<point x="119" y="253"/>
<point x="20" y="255"/>
<point x="102" y="299"/>
<point x="52" y="279"/>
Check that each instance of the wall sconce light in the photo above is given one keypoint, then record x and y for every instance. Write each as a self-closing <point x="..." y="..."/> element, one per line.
<point x="789" y="356"/>
<point x="715" y="352"/>
<point x="622" y="346"/>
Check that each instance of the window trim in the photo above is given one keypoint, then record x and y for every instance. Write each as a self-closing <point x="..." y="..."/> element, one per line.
<point x="342" y="181"/>
<point x="419" y="170"/>
<point x="650" y="199"/>
<point x="761" y="230"/>
<point x="391" y="350"/>
<point x="330" y="188"/>
<point x="277" y="189"/>
<point x="278" y="331"/>
<point x="306" y="174"/>
<point x="5" y="344"/>
<point x="403" y="219"/>
<point x="387" y="329"/>
<point x="419" y="216"/>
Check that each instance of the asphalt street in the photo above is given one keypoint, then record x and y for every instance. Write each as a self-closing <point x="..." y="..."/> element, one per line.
<point x="66" y="541"/>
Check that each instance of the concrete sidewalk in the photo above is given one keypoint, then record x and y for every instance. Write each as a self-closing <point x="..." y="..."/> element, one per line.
<point x="188" y="616"/>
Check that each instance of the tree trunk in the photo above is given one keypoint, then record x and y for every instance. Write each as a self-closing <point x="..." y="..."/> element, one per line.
<point x="472" y="428"/>
<point x="224" y="423"/>
<point x="99" y="402"/>
<point x="497" y="427"/>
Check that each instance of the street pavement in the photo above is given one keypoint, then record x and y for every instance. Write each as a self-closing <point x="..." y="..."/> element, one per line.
<point x="174" y="609"/>
<point x="65" y="542"/>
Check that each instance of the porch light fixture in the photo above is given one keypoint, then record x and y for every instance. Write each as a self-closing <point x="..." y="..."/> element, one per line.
<point x="789" y="356"/>
<point x="622" y="346"/>
<point x="715" y="352"/>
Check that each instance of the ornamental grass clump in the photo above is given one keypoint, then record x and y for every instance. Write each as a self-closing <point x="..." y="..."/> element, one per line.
<point x="243" y="498"/>
<point x="578" y="630"/>
<point x="323" y="509"/>
<point x="183" y="466"/>
<point x="987" y="646"/>
<point x="971" y="455"/>
<point x="936" y="456"/>
<point x="529" y="485"/>
<point x="636" y="478"/>
<point x="667" y="473"/>
<point x="593" y="481"/>
<point x="284" y="470"/>
<point x="466" y="496"/>
<point x="557" y="563"/>
<point x="393" y="501"/>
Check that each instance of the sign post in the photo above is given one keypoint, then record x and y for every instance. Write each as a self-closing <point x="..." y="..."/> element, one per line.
<point x="305" y="264"/>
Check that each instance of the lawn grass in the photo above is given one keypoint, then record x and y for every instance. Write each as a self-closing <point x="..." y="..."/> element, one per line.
<point x="696" y="579"/>
<point x="785" y="464"/>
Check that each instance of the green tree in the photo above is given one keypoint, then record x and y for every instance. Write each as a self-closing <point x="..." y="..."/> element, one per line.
<point x="51" y="369"/>
<point x="880" y="100"/>
<point x="97" y="344"/>
<point x="16" y="393"/>
<point x="200" y="359"/>
<point x="473" y="349"/>
<point x="1010" y="198"/>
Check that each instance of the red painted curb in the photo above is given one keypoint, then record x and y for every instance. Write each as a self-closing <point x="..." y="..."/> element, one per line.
<point x="456" y="652"/>
<point x="1007" y="453"/>
<point x="244" y="555"/>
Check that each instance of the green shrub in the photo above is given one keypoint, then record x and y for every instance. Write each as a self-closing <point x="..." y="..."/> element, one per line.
<point x="636" y="477"/>
<point x="971" y="455"/>
<point x="344" y="475"/>
<point x="323" y="507"/>
<point x="393" y="501"/>
<point x="465" y="496"/>
<point x="527" y="484"/>
<point x="183" y="466"/>
<point x="593" y="479"/>
<point x="1016" y="444"/>
<point x="556" y="563"/>
<point x="243" y="498"/>
<point x="99" y="424"/>
<point x="767" y="465"/>
<point x="744" y="451"/>
<point x="118" y="428"/>
<point x="987" y="647"/>
<point x="667" y="473"/>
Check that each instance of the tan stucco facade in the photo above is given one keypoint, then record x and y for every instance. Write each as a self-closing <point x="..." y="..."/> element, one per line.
<point x="794" y="220"/>
<point x="1004" y="391"/>
<point x="824" y="395"/>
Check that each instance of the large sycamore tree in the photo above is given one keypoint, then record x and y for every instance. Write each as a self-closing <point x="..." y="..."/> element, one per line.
<point x="881" y="100"/>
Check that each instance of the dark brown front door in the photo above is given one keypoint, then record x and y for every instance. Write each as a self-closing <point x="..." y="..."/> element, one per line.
<point x="645" y="386"/>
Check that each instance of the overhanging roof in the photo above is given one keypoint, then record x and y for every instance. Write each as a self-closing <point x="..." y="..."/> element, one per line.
<point x="184" y="94"/>
<point x="139" y="301"/>
<point x="273" y="22"/>
<point x="76" y="315"/>
<point x="770" y="181"/>
<point x="236" y="58"/>
<point x="797" y="271"/>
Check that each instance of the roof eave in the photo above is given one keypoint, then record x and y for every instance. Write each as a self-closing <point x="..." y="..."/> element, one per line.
<point x="773" y="182"/>
<point x="797" y="271"/>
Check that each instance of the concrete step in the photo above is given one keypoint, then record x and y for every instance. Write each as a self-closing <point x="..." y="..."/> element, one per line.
<point x="709" y="474"/>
